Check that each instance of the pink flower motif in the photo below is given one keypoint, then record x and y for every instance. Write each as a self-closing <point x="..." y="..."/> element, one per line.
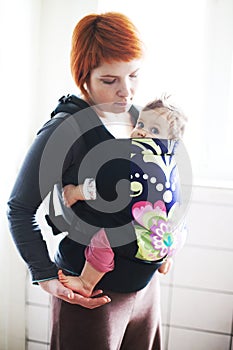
<point x="143" y="210"/>
<point x="164" y="237"/>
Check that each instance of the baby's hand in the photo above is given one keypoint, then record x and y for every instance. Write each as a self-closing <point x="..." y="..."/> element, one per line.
<point x="165" y="267"/>
<point x="71" y="194"/>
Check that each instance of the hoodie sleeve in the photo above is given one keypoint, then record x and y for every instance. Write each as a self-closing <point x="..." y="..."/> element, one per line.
<point x="48" y="157"/>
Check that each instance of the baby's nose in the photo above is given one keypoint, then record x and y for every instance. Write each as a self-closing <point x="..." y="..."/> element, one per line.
<point x="141" y="133"/>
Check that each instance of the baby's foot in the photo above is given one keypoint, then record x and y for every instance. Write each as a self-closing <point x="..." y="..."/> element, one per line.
<point x="75" y="283"/>
<point x="165" y="267"/>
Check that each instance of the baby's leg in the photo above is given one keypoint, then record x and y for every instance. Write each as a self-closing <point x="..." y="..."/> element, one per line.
<point x="99" y="252"/>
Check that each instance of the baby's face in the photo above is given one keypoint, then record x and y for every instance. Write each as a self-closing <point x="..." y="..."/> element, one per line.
<point x="152" y="124"/>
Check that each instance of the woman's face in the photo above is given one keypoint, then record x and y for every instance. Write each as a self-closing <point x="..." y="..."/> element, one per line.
<point x="112" y="85"/>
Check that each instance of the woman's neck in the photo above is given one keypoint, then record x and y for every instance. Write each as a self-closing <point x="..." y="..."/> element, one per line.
<point x="119" y="125"/>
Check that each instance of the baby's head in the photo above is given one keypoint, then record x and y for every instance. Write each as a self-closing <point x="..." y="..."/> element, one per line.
<point x="160" y="119"/>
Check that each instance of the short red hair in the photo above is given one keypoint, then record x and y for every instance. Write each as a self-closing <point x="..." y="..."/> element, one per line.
<point x="102" y="38"/>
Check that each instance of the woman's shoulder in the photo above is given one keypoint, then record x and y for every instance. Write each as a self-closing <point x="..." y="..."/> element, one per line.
<point x="67" y="106"/>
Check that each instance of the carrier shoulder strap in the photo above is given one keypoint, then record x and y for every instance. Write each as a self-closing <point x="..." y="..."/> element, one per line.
<point x="67" y="106"/>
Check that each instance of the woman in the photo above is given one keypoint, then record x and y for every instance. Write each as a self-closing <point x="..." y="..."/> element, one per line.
<point x="105" y="61"/>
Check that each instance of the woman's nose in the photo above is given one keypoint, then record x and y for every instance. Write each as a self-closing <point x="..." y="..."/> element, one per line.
<point x="124" y="89"/>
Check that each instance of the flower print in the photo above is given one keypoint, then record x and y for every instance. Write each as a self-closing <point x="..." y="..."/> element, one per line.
<point x="163" y="238"/>
<point x="158" y="234"/>
<point x="145" y="213"/>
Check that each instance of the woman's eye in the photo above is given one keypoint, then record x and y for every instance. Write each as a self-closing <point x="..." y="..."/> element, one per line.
<point x="133" y="76"/>
<point x="108" y="82"/>
<point x="155" y="131"/>
<point x="140" y="125"/>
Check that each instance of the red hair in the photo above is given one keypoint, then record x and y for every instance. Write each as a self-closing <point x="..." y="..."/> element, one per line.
<point x="102" y="38"/>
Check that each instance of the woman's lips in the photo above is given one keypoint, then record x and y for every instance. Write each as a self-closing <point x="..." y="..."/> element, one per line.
<point x="121" y="104"/>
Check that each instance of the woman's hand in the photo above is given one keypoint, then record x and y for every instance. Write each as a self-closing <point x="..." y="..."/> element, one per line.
<point x="71" y="194"/>
<point x="56" y="288"/>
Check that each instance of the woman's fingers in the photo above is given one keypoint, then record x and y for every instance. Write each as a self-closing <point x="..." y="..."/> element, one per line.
<point x="89" y="303"/>
<point x="56" y="288"/>
<point x="97" y="292"/>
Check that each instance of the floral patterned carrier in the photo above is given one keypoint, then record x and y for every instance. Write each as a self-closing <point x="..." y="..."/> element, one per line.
<point x="156" y="199"/>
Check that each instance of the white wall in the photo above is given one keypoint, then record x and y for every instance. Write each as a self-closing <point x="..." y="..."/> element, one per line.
<point x="197" y="297"/>
<point x="58" y="19"/>
<point x="19" y="25"/>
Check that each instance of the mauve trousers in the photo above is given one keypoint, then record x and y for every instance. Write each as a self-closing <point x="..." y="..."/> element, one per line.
<point x="131" y="321"/>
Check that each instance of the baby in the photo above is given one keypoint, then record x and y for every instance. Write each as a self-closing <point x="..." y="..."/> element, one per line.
<point x="157" y="120"/>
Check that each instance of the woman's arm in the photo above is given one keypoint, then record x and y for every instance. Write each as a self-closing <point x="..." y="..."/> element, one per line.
<point x="41" y="169"/>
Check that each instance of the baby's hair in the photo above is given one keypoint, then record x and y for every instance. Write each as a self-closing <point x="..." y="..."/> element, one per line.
<point x="175" y="116"/>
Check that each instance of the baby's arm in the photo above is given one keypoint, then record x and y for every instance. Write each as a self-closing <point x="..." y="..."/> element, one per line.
<point x="86" y="191"/>
<point x="71" y="194"/>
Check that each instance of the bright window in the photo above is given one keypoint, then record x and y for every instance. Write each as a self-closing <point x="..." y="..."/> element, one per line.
<point x="190" y="55"/>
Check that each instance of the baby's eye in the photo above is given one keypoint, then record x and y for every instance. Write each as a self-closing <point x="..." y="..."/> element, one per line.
<point x="155" y="131"/>
<point x="140" y="125"/>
